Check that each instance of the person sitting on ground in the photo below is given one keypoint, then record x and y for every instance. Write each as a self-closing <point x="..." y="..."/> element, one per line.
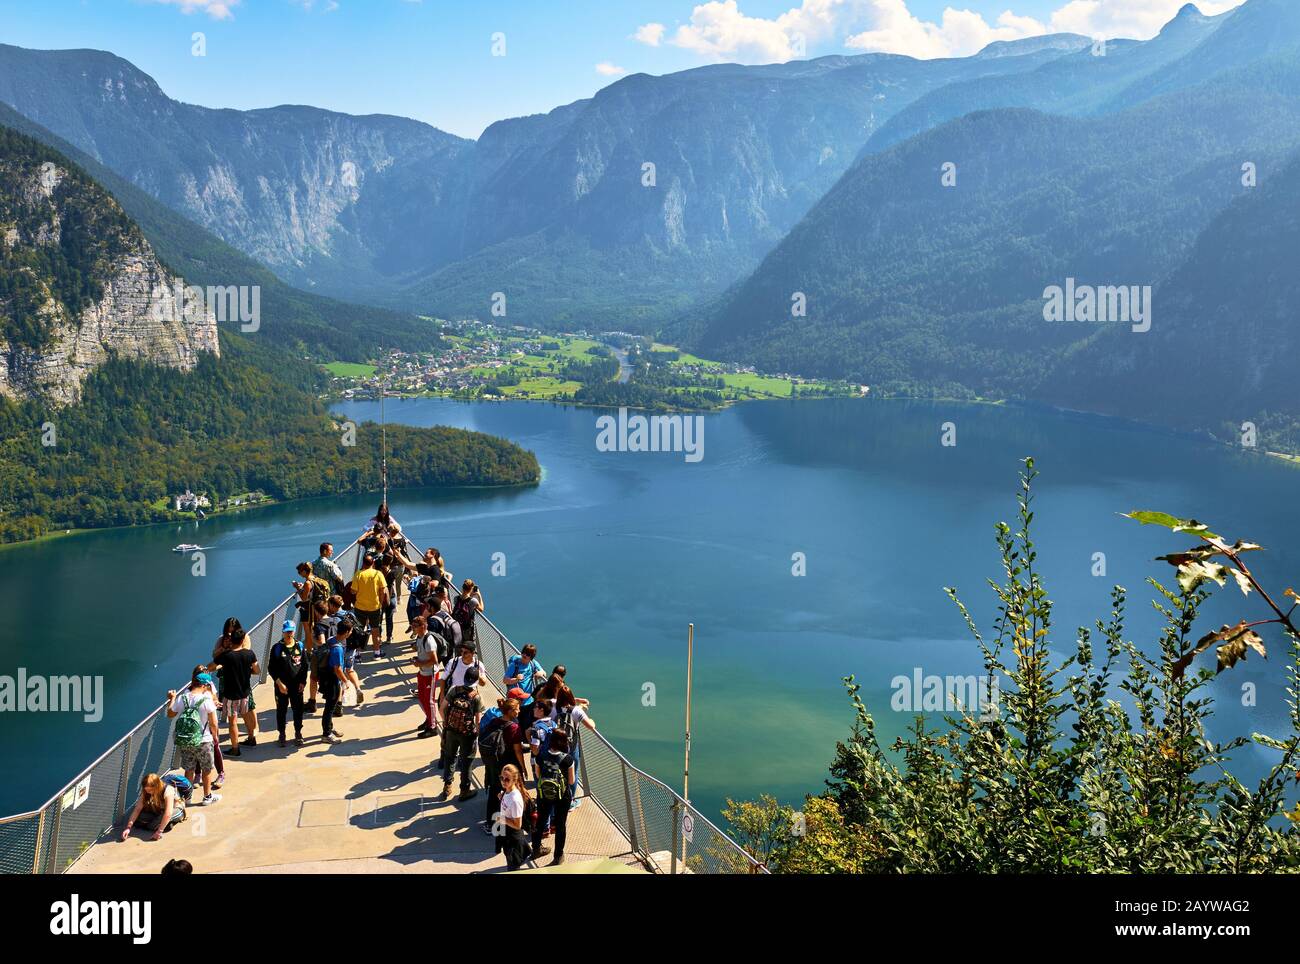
<point x="287" y="667"/>
<point x="159" y="807"/>
<point x="238" y="665"/>
<point x="196" y="731"/>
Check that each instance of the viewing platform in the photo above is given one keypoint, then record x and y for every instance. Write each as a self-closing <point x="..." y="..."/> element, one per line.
<point x="366" y="805"/>
<point x="369" y="804"/>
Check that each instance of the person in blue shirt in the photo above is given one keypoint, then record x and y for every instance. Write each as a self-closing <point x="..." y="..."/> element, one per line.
<point x="526" y="673"/>
<point x="332" y="682"/>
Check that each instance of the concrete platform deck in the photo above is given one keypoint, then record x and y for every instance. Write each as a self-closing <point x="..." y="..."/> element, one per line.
<point x="366" y="805"/>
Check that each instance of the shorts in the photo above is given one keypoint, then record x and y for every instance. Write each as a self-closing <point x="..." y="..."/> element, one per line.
<point x="235" y="708"/>
<point x="197" y="758"/>
<point x="349" y="658"/>
<point x="367" y="619"/>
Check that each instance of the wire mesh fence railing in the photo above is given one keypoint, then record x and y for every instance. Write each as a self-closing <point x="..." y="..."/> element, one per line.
<point x="662" y="830"/>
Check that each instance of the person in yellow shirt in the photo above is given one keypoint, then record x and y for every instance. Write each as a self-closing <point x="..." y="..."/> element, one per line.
<point x="371" y="591"/>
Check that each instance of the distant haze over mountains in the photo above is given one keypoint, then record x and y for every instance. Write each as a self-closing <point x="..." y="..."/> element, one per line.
<point x="557" y="210"/>
<point x="919" y="209"/>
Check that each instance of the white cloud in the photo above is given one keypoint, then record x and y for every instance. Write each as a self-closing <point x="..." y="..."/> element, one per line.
<point x="649" y="34"/>
<point x="1136" y="19"/>
<point x="606" y="69"/>
<point x="216" y="9"/>
<point x="959" y="34"/>
<point x="720" y="30"/>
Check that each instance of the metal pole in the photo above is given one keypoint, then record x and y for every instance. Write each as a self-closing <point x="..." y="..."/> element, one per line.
<point x="383" y="424"/>
<point x="631" y="820"/>
<point x="690" y="654"/>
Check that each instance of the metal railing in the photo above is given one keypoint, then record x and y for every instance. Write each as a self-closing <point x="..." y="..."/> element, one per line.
<point x="662" y="830"/>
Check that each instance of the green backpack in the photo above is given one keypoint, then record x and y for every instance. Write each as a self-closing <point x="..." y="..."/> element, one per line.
<point x="189" y="725"/>
<point x="551" y="782"/>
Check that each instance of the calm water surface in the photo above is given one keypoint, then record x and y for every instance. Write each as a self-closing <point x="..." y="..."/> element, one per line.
<point x="614" y="553"/>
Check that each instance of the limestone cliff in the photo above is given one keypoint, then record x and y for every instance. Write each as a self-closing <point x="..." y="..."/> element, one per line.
<point x="78" y="282"/>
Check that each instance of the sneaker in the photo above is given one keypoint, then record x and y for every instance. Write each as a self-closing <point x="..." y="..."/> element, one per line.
<point x="446" y="791"/>
<point x="422" y="733"/>
<point x="299" y="741"/>
<point x="216" y="784"/>
<point x="332" y="738"/>
<point x="540" y="852"/>
<point x="337" y="732"/>
<point x="283" y="742"/>
<point x="557" y="860"/>
<point x="310" y="707"/>
<point x="231" y="753"/>
<point x="210" y="799"/>
<point x="424" y="726"/>
<point x="250" y="741"/>
<point x="361" y="697"/>
<point x="575" y="805"/>
<point x="469" y="793"/>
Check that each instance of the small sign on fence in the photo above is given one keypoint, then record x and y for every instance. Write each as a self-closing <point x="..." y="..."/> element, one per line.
<point x="81" y="792"/>
<point x="688" y="827"/>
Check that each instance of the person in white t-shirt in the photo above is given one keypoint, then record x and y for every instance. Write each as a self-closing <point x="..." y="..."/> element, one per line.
<point x="513" y="839"/>
<point x="454" y="673"/>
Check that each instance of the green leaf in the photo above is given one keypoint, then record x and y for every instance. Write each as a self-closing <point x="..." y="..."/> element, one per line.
<point x="1190" y="526"/>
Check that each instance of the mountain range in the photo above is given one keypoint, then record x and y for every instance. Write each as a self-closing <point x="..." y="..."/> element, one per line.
<point x="555" y="210"/>
<point x="919" y="210"/>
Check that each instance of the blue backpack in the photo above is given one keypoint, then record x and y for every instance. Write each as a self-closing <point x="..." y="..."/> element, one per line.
<point x="180" y="783"/>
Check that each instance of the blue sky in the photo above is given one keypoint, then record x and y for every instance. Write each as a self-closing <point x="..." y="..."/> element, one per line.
<point x="432" y="59"/>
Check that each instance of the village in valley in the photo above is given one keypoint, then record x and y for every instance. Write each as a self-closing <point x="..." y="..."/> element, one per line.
<point x="484" y="362"/>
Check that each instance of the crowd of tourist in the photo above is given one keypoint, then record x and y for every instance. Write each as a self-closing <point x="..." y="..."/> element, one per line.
<point x="529" y="739"/>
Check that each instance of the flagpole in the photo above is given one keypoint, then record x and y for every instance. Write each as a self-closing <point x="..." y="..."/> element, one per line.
<point x="383" y="424"/>
<point x="690" y="655"/>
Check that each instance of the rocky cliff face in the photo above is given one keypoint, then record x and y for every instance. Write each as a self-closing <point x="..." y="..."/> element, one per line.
<point x="78" y="282"/>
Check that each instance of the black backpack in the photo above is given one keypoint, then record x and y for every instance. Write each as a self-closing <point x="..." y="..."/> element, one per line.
<point x="492" y="740"/>
<point x="564" y="723"/>
<point x="321" y="661"/>
<point x="448" y="632"/>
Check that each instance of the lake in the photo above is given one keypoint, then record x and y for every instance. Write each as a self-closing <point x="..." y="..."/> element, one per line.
<point x="614" y="553"/>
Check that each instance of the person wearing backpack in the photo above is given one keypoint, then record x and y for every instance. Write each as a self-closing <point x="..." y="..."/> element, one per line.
<point x="428" y="664"/>
<point x="571" y="714"/>
<point x="330" y="670"/>
<point x="499" y="746"/>
<point x="539" y="729"/>
<point x="468" y="605"/>
<point x="196" y="730"/>
<point x="459" y="729"/>
<point x="455" y="673"/>
<point x="159" y="807"/>
<point x="287" y="667"/>
<point x="556" y="775"/>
